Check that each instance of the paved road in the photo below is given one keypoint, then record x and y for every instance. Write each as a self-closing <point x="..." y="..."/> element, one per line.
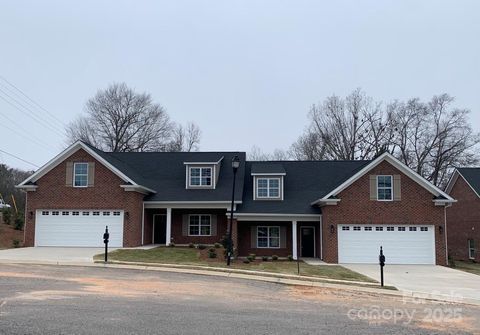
<point x="36" y="299"/>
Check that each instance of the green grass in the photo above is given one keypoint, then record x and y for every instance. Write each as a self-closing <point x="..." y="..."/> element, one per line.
<point x="468" y="267"/>
<point x="190" y="256"/>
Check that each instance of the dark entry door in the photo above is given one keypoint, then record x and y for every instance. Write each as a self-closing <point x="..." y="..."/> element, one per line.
<point x="308" y="241"/>
<point x="159" y="229"/>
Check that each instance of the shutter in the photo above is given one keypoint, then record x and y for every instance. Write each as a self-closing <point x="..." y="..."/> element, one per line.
<point x="253" y="236"/>
<point x="91" y="173"/>
<point x="69" y="175"/>
<point x="213" y="226"/>
<point x="397" y="188"/>
<point x="283" y="237"/>
<point x="185" y="225"/>
<point x="373" y="187"/>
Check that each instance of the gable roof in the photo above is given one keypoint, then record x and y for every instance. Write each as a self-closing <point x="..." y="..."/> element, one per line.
<point x="471" y="177"/>
<point x="266" y="168"/>
<point x="437" y="192"/>
<point x="304" y="182"/>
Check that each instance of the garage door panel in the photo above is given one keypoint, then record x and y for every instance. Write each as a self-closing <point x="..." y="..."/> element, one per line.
<point x="78" y="230"/>
<point x="400" y="247"/>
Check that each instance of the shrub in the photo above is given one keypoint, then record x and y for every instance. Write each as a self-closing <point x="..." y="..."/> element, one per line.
<point x="253" y="256"/>
<point x="18" y="223"/>
<point x="7" y="215"/>
<point x="246" y="261"/>
<point x="16" y="243"/>
<point x="290" y="258"/>
<point x="191" y="245"/>
<point x="217" y="245"/>
<point x="171" y="245"/>
<point x="250" y="258"/>
<point x="201" y="246"/>
<point x="274" y="258"/>
<point x="265" y="258"/>
<point x="212" y="254"/>
<point x="211" y="250"/>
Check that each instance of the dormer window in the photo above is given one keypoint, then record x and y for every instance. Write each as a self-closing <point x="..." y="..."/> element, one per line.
<point x="200" y="176"/>
<point x="268" y="188"/>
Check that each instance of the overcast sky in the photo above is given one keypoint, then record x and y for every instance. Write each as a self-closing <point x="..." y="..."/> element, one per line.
<point x="245" y="71"/>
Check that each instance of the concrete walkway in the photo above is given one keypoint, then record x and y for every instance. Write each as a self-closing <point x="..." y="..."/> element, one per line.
<point x="50" y="255"/>
<point x="425" y="279"/>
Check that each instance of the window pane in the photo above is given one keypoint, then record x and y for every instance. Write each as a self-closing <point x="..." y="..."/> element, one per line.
<point x="274" y="183"/>
<point x="195" y="172"/>
<point x="262" y="192"/>
<point x="274" y="242"/>
<point x="274" y="192"/>
<point x="262" y="242"/>
<point x="388" y="194"/>
<point x="262" y="183"/>
<point x="388" y="181"/>
<point x="81" y="180"/>
<point x="206" y="172"/>
<point x="195" y="181"/>
<point x="262" y="231"/>
<point x="194" y="230"/>
<point x="274" y="232"/>
<point x="205" y="219"/>
<point x="205" y="230"/>
<point x="194" y="220"/>
<point x="381" y="194"/>
<point x="81" y="168"/>
<point x="206" y="181"/>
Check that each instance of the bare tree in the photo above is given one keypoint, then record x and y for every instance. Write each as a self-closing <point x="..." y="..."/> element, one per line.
<point x="120" y="119"/>
<point x="185" y="138"/>
<point x="256" y="154"/>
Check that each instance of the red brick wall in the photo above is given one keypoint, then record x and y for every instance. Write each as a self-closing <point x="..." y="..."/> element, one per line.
<point x="416" y="207"/>
<point x="177" y="223"/>
<point x="463" y="221"/>
<point x="244" y="240"/>
<point x="52" y="193"/>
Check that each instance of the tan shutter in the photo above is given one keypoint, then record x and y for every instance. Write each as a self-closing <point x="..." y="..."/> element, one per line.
<point x="283" y="237"/>
<point x="185" y="225"/>
<point x="213" y="226"/>
<point x="69" y="174"/>
<point x="397" y="188"/>
<point x="253" y="236"/>
<point x="373" y="187"/>
<point x="91" y="173"/>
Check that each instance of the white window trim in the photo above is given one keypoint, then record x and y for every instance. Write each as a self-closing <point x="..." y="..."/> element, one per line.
<point x="280" y="188"/>
<point x="74" y="174"/>
<point x="471" y="251"/>
<point x="268" y="237"/>
<point x="385" y="188"/>
<point x="201" y="168"/>
<point x="199" y="225"/>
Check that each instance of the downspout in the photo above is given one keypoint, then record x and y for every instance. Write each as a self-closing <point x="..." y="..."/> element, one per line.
<point x="446" y="239"/>
<point x="143" y="223"/>
<point x="321" y="238"/>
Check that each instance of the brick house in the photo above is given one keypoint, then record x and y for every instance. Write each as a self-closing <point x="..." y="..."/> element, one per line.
<point x="338" y="211"/>
<point x="463" y="219"/>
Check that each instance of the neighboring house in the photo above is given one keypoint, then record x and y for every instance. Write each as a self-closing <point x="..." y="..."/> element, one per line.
<point x="463" y="219"/>
<point x="338" y="211"/>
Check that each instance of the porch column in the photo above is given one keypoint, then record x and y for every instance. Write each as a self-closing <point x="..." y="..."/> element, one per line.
<point x="294" y="240"/>
<point x="168" y="238"/>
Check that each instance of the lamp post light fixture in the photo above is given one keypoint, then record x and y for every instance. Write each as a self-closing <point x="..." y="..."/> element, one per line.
<point x="235" y="165"/>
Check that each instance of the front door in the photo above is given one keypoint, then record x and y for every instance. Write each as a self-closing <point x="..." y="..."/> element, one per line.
<point x="159" y="228"/>
<point x="308" y="241"/>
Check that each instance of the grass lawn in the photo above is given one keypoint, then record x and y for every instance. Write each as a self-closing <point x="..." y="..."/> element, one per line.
<point x="191" y="256"/>
<point x="468" y="267"/>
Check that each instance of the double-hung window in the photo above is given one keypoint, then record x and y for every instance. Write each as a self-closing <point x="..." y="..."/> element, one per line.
<point x="268" y="237"/>
<point x="200" y="225"/>
<point x="268" y="188"/>
<point x="384" y="188"/>
<point x="80" y="174"/>
<point x="200" y="176"/>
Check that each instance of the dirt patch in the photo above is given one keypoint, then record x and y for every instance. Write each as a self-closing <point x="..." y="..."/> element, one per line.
<point x="8" y="235"/>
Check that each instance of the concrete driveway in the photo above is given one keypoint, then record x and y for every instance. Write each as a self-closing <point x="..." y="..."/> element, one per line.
<point x="49" y="255"/>
<point x="426" y="279"/>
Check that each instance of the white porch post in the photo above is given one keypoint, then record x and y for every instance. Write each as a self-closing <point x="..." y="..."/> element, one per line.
<point x="294" y="240"/>
<point x="169" y="227"/>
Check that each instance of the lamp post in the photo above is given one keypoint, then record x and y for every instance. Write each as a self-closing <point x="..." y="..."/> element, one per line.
<point x="235" y="165"/>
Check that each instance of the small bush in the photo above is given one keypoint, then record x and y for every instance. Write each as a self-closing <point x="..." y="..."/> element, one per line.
<point x="212" y="254"/>
<point x="171" y="245"/>
<point x="191" y="245"/>
<point x="265" y="258"/>
<point x="253" y="256"/>
<point x="202" y="246"/>
<point x="217" y="245"/>
<point x="274" y="258"/>
<point x="250" y="258"/>
<point x="290" y="258"/>
<point x="16" y="243"/>
<point x="246" y="261"/>
<point x="18" y="223"/>
<point x="211" y="250"/>
<point x="7" y="215"/>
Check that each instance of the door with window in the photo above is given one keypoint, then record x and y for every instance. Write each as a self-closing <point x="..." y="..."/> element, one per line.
<point x="307" y="241"/>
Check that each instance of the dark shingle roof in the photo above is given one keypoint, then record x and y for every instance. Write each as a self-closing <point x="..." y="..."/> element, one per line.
<point x="305" y="182"/>
<point x="472" y="176"/>
<point x="266" y="167"/>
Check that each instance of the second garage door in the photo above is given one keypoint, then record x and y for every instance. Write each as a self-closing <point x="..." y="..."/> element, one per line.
<point x="78" y="228"/>
<point x="407" y="244"/>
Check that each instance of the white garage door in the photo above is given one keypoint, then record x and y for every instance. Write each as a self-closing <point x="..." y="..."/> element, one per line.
<point x="407" y="244"/>
<point x="78" y="228"/>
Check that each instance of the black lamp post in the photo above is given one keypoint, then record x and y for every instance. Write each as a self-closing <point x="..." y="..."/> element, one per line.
<point x="235" y="165"/>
